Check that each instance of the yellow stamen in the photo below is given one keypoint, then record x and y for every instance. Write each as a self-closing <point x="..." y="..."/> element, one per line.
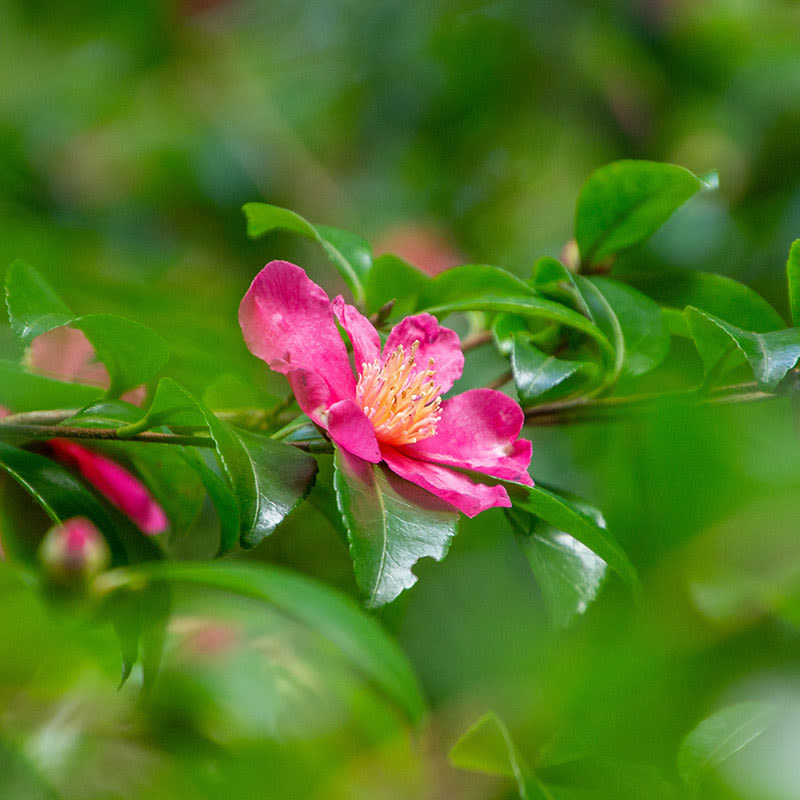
<point x="402" y="402"/>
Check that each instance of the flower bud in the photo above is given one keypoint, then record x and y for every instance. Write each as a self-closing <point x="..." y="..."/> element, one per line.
<point x="74" y="552"/>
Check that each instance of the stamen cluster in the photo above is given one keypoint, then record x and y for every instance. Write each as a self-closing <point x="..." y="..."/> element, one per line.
<point x="401" y="401"/>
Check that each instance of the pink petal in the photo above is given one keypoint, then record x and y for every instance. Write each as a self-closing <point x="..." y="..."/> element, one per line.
<point x="351" y="429"/>
<point x="313" y="394"/>
<point x="363" y="336"/>
<point x="453" y="487"/>
<point x="120" y="488"/>
<point x="478" y="430"/>
<point x="287" y="321"/>
<point x="440" y="344"/>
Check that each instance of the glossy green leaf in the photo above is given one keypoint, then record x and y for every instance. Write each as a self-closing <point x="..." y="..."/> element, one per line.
<point x="644" y="334"/>
<point x="281" y="477"/>
<point x="132" y="353"/>
<point x="715" y="294"/>
<point x="472" y="281"/>
<point x="349" y="253"/>
<point x="565" y="515"/>
<point x="623" y="203"/>
<point x="268" y="478"/>
<point x="549" y="274"/>
<point x="391" y="524"/>
<point x="720" y="736"/>
<point x="21" y="390"/>
<point x="793" y="280"/>
<point x="538" y="375"/>
<point x="569" y="574"/>
<point x="358" y="636"/>
<point x="33" y="306"/>
<point x="605" y="317"/>
<point x="770" y="355"/>
<point x="220" y="494"/>
<point x="391" y="278"/>
<point x="487" y="747"/>
<point x="531" y="307"/>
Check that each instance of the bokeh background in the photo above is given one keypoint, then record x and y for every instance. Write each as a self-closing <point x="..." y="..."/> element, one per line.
<point x="130" y="136"/>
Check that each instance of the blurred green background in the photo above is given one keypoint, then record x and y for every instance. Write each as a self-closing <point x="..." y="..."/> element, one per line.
<point x="131" y="134"/>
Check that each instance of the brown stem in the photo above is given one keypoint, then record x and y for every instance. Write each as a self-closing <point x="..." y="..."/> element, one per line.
<point x="476" y="340"/>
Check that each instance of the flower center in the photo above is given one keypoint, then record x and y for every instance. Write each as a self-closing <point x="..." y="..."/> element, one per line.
<point x="402" y="402"/>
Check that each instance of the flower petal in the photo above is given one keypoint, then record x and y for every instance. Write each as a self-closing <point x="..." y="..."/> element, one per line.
<point x="351" y="429"/>
<point x="435" y="342"/>
<point x="453" y="487"/>
<point x="119" y="486"/>
<point x="478" y="430"/>
<point x="287" y="320"/>
<point x="314" y="395"/>
<point x="362" y="333"/>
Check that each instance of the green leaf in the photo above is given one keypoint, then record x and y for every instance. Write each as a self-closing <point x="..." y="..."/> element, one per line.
<point x="604" y="316"/>
<point x="391" y="278"/>
<point x="537" y="374"/>
<point x="531" y="307"/>
<point x="569" y="574"/>
<point x="716" y="294"/>
<point x="623" y="203"/>
<point x="793" y="279"/>
<point x="268" y="478"/>
<point x="132" y="353"/>
<point x="220" y="495"/>
<point x="23" y="391"/>
<point x="472" y="281"/>
<point x="371" y="651"/>
<point x="391" y="524"/>
<point x="487" y="747"/>
<point x="770" y="355"/>
<point x="33" y="306"/>
<point x="269" y="483"/>
<point x="645" y="337"/>
<point x="567" y="516"/>
<point x="349" y="253"/>
<point x="720" y="736"/>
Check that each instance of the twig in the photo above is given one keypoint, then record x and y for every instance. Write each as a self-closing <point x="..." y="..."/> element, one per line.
<point x="584" y="409"/>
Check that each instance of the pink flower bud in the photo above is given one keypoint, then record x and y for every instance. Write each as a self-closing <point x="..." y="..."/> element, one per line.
<point x="74" y="551"/>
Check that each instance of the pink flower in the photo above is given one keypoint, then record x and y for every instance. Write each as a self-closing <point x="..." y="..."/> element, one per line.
<point x="391" y="410"/>
<point x="66" y="354"/>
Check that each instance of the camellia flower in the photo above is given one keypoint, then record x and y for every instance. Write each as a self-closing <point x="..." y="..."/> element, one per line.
<point x="391" y="409"/>
<point x="66" y="354"/>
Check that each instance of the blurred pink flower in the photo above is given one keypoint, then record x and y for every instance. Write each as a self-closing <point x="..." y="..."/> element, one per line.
<point x="392" y="410"/>
<point x="421" y="244"/>
<point x="66" y="354"/>
<point x="116" y="484"/>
